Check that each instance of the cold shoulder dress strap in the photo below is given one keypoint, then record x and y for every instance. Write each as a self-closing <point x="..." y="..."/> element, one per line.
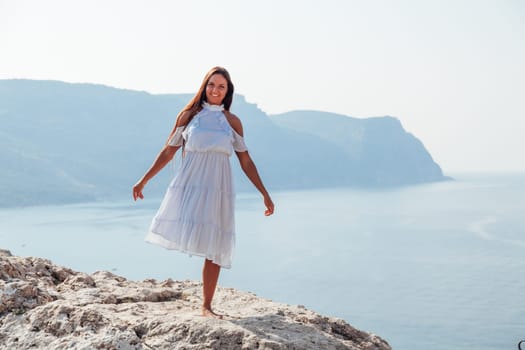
<point x="238" y="142"/>
<point x="176" y="139"/>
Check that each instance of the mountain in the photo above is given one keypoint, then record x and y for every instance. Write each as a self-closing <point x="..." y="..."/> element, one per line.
<point x="379" y="151"/>
<point x="63" y="142"/>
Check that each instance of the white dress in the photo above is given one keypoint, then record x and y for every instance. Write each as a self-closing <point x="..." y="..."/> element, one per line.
<point x="196" y="215"/>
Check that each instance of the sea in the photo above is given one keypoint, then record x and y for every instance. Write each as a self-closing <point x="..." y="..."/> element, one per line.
<point x="437" y="266"/>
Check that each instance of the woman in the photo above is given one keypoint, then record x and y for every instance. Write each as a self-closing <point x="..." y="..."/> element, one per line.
<point x="197" y="213"/>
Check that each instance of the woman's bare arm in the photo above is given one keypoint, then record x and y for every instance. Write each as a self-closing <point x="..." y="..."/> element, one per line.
<point x="163" y="158"/>
<point x="165" y="155"/>
<point x="248" y="166"/>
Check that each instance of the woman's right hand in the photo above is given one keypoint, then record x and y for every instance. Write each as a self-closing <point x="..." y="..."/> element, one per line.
<point x="137" y="190"/>
<point x="268" y="203"/>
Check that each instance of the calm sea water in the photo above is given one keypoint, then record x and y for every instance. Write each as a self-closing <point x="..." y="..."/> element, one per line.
<point x="437" y="266"/>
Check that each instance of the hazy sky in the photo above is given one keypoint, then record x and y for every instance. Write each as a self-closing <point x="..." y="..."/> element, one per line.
<point x="453" y="71"/>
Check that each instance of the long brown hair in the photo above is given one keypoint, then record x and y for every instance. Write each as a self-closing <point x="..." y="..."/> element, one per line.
<point x="195" y="104"/>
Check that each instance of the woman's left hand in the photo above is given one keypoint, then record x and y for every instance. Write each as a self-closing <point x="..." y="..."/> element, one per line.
<point x="269" y="205"/>
<point x="137" y="190"/>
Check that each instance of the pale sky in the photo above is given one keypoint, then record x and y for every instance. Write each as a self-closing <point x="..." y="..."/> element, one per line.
<point x="452" y="71"/>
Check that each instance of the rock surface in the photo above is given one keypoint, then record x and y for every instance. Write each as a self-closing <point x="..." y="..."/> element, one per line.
<point x="45" y="306"/>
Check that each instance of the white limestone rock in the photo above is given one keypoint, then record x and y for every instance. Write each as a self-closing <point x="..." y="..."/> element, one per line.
<point x="45" y="306"/>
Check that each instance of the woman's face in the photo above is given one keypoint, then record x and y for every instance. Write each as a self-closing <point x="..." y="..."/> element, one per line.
<point x="216" y="89"/>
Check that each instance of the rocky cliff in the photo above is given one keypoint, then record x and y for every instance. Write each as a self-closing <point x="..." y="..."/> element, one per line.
<point x="45" y="306"/>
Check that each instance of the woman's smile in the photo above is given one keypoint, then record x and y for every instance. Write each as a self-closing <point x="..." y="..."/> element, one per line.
<point x="216" y="89"/>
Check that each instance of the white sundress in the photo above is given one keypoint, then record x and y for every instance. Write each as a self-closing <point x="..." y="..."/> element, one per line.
<point x="196" y="215"/>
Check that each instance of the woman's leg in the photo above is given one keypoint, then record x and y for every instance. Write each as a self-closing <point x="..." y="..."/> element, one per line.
<point x="210" y="275"/>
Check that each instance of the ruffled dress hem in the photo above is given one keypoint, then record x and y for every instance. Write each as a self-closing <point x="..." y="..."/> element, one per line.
<point x="155" y="238"/>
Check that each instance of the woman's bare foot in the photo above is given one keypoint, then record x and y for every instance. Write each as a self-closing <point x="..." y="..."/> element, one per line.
<point x="207" y="312"/>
